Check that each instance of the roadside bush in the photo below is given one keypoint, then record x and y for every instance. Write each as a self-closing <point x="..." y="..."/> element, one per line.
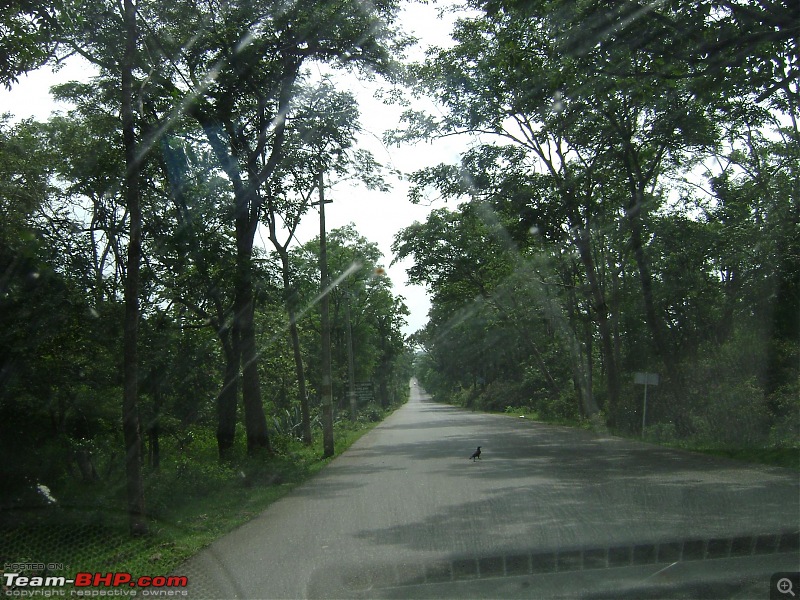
<point x="498" y="395"/>
<point x="628" y="414"/>
<point x="661" y="433"/>
<point x="465" y="396"/>
<point x="561" y="408"/>
<point x="200" y="478"/>
<point x="785" y="431"/>
<point x="732" y="415"/>
<point x="289" y="421"/>
<point x="282" y="444"/>
<point x="371" y="413"/>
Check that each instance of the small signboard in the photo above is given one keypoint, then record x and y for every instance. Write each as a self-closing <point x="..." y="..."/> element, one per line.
<point x="646" y="378"/>
<point x="364" y="392"/>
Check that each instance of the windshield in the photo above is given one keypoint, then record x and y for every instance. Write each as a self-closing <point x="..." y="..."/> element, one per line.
<point x="400" y="299"/>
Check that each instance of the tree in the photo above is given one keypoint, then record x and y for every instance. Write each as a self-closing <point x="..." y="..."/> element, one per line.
<point x="88" y="157"/>
<point x="757" y="198"/>
<point x="376" y="314"/>
<point x="23" y="283"/>
<point x="130" y="398"/>
<point x="196" y="255"/>
<point x="50" y="322"/>
<point x="593" y="122"/>
<point x="239" y="80"/>
<point x="318" y="140"/>
<point x="598" y="127"/>
<point x="493" y="319"/>
<point x="747" y="47"/>
<point x="29" y="30"/>
<point x="486" y="82"/>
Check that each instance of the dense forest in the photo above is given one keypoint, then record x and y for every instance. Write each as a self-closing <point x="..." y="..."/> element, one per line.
<point x="154" y="299"/>
<point x="629" y="203"/>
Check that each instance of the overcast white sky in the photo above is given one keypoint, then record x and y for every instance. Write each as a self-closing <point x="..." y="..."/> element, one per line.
<point x="377" y="216"/>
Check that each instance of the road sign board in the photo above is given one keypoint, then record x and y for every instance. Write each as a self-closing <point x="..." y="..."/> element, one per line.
<point x="364" y="392"/>
<point x="646" y="378"/>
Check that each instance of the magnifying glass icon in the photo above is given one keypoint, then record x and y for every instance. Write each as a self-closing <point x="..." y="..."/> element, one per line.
<point x="785" y="586"/>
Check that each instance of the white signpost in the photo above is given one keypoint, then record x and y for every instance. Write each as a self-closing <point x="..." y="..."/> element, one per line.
<point x="645" y="379"/>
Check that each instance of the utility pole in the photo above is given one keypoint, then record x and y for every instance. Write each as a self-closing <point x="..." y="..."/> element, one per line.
<point x="327" y="391"/>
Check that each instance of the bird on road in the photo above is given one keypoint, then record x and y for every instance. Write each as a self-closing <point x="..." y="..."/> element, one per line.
<point x="476" y="454"/>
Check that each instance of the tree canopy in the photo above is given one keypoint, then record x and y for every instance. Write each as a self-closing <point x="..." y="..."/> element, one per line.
<point x="628" y="202"/>
<point x="616" y="144"/>
<point x="130" y="263"/>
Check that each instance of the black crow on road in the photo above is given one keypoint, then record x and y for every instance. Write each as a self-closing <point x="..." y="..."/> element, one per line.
<point x="476" y="454"/>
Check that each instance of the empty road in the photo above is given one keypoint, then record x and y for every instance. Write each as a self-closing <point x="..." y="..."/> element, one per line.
<point x="547" y="512"/>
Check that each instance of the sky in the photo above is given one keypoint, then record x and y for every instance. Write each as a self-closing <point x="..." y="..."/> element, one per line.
<point x="377" y="216"/>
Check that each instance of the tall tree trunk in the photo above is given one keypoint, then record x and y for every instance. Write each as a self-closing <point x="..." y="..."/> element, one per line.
<point x="175" y="166"/>
<point x="244" y="335"/>
<point x="130" y="417"/>
<point x="351" y="376"/>
<point x="296" y="350"/>
<point x="219" y="124"/>
<point x="226" y="400"/>
<point x="603" y="323"/>
<point x="581" y="369"/>
<point x="654" y="324"/>
<point x="154" y="446"/>
<point x="154" y="427"/>
<point x="783" y="350"/>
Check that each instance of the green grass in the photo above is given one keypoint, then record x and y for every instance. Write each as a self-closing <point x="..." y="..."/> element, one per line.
<point x="191" y="500"/>
<point x="787" y="457"/>
<point x="777" y="456"/>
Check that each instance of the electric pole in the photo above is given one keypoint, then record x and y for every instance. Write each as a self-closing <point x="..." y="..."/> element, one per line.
<point x="327" y="391"/>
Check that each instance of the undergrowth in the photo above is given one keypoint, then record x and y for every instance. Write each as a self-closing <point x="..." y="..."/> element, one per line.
<point x="191" y="500"/>
<point x="778" y="451"/>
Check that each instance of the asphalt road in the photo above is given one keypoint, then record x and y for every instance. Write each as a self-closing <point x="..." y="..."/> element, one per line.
<point x="547" y="512"/>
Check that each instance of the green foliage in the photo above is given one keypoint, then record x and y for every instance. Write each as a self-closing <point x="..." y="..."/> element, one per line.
<point x="29" y="30"/>
<point x="785" y="432"/>
<point x="380" y="354"/>
<point x="560" y="409"/>
<point x="371" y="413"/>
<point x="585" y="248"/>
<point x="661" y="433"/>
<point x="86" y="529"/>
<point x="730" y="415"/>
<point x="632" y="206"/>
<point x="191" y="273"/>
<point x="287" y="424"/>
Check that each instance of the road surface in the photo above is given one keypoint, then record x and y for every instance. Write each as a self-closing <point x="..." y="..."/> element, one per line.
<point x="547" y="512"/>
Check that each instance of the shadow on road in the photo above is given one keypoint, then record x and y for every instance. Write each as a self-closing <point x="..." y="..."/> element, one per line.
<point x="564" y="486"/>
<point x="547" y="512"/>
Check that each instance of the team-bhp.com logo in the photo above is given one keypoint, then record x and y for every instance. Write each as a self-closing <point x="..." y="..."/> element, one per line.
<point x="120" y="584"/>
